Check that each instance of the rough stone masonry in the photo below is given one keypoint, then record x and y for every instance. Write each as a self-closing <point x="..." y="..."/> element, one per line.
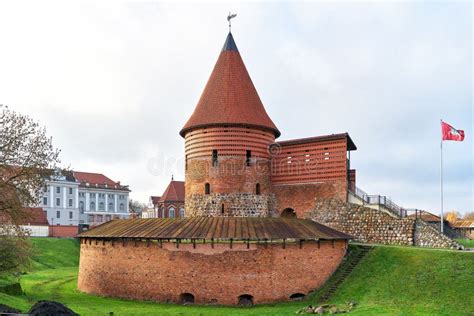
<point x="374" y="226"/>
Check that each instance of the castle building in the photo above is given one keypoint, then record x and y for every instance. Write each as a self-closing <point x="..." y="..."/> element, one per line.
<point x="235" y="167"/>
<point x="235" y="244"/>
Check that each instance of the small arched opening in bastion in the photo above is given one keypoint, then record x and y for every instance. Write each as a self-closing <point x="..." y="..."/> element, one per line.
<point x="297" y="296"/>
<point x="186" y="298"/>
<point x="288" y="213"/>
<point x="245" y="300"/>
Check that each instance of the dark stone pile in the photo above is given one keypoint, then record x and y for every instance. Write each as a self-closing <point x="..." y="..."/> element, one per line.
<point x="50" y="308"/>
<point x="4" y="309"/>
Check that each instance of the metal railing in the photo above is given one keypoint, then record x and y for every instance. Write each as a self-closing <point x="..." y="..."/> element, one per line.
<point x="381" y="200"/>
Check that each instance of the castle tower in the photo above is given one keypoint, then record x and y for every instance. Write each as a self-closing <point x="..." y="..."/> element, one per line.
<point x="226" y="144"/>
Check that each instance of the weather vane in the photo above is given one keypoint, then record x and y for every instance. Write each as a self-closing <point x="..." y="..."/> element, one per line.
<point x="229" y="17"/>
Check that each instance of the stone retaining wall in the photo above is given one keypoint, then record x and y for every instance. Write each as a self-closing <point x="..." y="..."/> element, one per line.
<point x="375" y="226"/>
<point x="364" y="224"/>
<point x="428" y="236"/>
<point x="236" y="204"/>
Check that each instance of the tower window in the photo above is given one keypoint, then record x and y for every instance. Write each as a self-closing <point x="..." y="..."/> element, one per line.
<point x="207" y="188"/>
<point x="214" y="157"/>
<point x="257" y="189"/>
<point x="248" y="156"/>
<point x="222" y="208"/>
<point x="186" y="163"/>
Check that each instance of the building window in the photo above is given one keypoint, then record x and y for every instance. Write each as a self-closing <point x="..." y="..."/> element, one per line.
<point x="45" y="214"/>
<point x="58" y="201"/>
<point x="92" y="206"/>
<point x="99" y="218"/>
<point x="107" y="218"/>
<point x="111" y="196"/>
<point x="58" y="214"/>
<point x="186" y="163"/>
<point x="122" y="207"/>
<point x="214" y="157"/>
<point x="181" y="212"/>
<point x="70" y="190"/>
<point x="70" y="215"/>
<point x="70" y="202"/>
<point x="91" y="218"/>
<point x="171" y="212"/>
<point x="247" y="157"/>
<point x="45" y="201"/>
<point x="81" y="207"/>
<point x="207" y="188"/>
<point x="111" y="206"/>
<point x="92" y="195"/>
<point x="101" y="206"/>
<point x="257" y="189"/>
<point x="58" y="189"/>
<point x="45" y="188"/>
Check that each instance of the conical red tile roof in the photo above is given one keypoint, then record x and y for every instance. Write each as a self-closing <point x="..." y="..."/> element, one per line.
<point x="174" y="192"/>
<point x="230" y="96"/>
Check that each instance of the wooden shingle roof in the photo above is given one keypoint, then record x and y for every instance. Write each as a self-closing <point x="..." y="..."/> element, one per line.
<point x="216" y="228"/>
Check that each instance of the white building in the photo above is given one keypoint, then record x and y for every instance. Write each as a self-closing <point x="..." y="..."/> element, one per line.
<point x="74" y="198"/>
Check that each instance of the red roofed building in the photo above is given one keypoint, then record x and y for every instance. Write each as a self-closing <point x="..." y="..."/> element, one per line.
<point x="235" y="167"/>
<point x="170" y="204"/>
<point x="76" y="200"/>
<point x="36" y="222"/>
<point x="465" y="227"/>
<point x="89" y="179"/>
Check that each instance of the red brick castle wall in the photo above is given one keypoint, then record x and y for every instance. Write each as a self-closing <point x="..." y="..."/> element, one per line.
<point x="213" y="275"/>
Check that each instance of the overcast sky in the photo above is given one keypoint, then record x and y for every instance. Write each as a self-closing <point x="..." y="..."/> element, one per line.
<point x="114" y="84"/>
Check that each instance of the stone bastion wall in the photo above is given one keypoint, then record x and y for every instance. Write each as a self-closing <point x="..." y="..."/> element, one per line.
<point x="374" y="226"/>
<point x="212" y="274"/>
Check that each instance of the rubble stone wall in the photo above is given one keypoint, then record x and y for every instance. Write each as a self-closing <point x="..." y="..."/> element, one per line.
<point x="237" y="204"/>
<point x="364" y="224"/>
<point x="428" y="236"/>
<point x="375" y="226"/>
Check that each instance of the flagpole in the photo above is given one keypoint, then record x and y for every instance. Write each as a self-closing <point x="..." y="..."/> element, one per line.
<point x="441" y="175"/>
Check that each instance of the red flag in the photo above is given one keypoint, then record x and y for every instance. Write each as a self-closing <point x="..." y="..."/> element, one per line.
<point x="450" y="133"/>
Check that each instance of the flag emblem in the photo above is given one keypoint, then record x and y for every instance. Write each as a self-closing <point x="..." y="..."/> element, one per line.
<point x="450" y="133"/>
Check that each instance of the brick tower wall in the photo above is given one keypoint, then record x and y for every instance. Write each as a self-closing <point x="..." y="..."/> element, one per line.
<point x="305" y="170"/>
<point x="300" y="197"/>
<point x="233" y="181"/>
<point x="216" y="275"/>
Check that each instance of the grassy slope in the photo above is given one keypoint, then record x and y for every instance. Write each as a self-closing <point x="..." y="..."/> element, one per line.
<point x="469" y="243"/>
<point x="405" y="280"/>
<point x="390" y="280"/>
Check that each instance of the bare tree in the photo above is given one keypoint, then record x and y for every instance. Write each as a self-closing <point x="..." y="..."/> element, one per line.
<point x="136" y="207"/>
<point x="452" y="216"/>
<point x="27" y="158"/>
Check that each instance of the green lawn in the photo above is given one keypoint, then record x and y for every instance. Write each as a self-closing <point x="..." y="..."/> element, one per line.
<point x="388" y="281"/>
<point x="468" y="243"/>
